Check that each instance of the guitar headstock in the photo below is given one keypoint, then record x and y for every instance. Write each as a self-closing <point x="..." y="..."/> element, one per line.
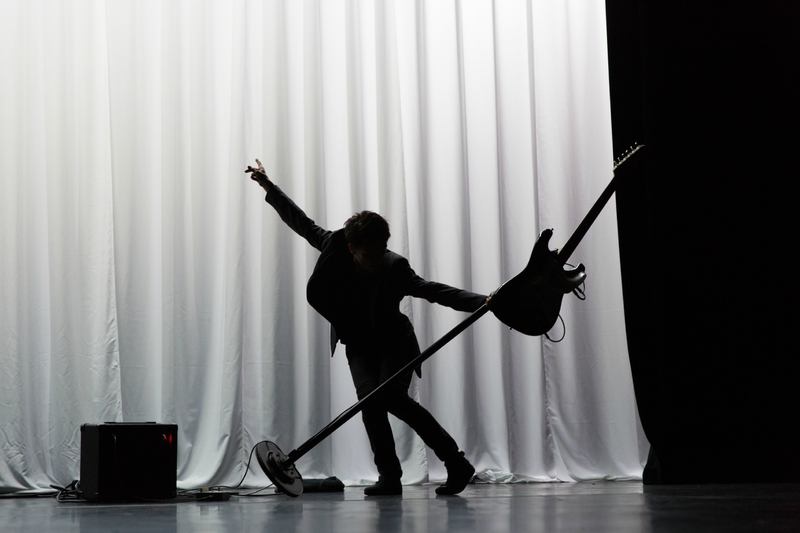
<point x="627" y="154"/>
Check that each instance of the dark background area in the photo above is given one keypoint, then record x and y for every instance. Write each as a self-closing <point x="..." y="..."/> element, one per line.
<point x="708" y="227"/>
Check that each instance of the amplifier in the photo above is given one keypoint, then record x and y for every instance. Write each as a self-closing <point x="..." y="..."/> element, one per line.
<point x="128" y="461"/>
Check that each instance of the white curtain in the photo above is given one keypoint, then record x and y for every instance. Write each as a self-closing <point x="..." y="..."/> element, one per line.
<point x="144" y="278"/>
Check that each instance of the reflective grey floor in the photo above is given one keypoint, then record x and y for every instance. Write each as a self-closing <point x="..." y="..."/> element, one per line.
<point x="597" y="507"/>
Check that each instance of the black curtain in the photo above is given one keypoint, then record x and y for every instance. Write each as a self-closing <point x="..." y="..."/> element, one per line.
<point x="708" y="227"/>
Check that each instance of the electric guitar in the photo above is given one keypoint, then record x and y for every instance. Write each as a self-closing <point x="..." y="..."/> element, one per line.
<point x="530" y="302"/>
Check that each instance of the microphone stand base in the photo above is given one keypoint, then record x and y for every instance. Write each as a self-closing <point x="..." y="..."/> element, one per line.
<point x="285" y="477"/>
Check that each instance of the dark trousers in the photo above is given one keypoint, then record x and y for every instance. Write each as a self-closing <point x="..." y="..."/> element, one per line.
<point x="371" y="365"/>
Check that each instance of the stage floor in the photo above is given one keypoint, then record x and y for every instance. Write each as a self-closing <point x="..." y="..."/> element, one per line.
<point x="619" y="507"/>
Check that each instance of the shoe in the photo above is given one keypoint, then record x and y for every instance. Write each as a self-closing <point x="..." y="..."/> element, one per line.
<point x="385" y="487"/>
<point x="459" y="474"/>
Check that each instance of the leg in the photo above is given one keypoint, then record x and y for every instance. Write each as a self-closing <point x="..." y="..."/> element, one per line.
<point x="381" y="440"/>
<point x="365" y="370"/>
<point x="459" y="469"/>
<point x="396" y="401"/>
<point x="401" y="405"/>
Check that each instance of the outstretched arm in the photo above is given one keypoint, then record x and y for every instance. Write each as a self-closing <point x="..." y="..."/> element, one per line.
<point x="290" y="213"/>
<point x="439" y="293"/>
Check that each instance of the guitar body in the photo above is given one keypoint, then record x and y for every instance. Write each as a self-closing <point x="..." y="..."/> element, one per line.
<point x="530" y="302"/>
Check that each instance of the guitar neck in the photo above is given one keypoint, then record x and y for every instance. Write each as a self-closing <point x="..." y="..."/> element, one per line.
<point x="566" y="251"/>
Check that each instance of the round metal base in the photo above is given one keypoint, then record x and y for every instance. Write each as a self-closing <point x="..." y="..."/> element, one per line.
<point x="272" y="460"/>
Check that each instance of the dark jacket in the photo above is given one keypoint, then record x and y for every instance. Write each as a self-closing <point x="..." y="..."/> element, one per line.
<point x="330" y="293"/>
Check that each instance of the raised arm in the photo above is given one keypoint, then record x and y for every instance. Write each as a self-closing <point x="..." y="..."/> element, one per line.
<point x="290" y="213"/>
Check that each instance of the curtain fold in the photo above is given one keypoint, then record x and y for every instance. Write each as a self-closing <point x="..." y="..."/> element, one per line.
<point x="144" y="278"/>
<point x="59" y="340"/>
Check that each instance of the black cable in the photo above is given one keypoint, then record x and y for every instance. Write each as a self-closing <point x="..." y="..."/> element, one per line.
<point x="23" y="494"/>
<point x="564" y="326"/>
<point x="69" y="493"/>
<point x="255" y="492"/>
<point x="579" y="292"/>
<point x="246" y="470"/>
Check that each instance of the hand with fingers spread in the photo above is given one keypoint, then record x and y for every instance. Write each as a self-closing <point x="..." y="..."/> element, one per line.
<point x="259" y="175"/>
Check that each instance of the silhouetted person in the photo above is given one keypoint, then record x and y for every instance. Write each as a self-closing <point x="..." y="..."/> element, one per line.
<point x="357" y="285"/>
